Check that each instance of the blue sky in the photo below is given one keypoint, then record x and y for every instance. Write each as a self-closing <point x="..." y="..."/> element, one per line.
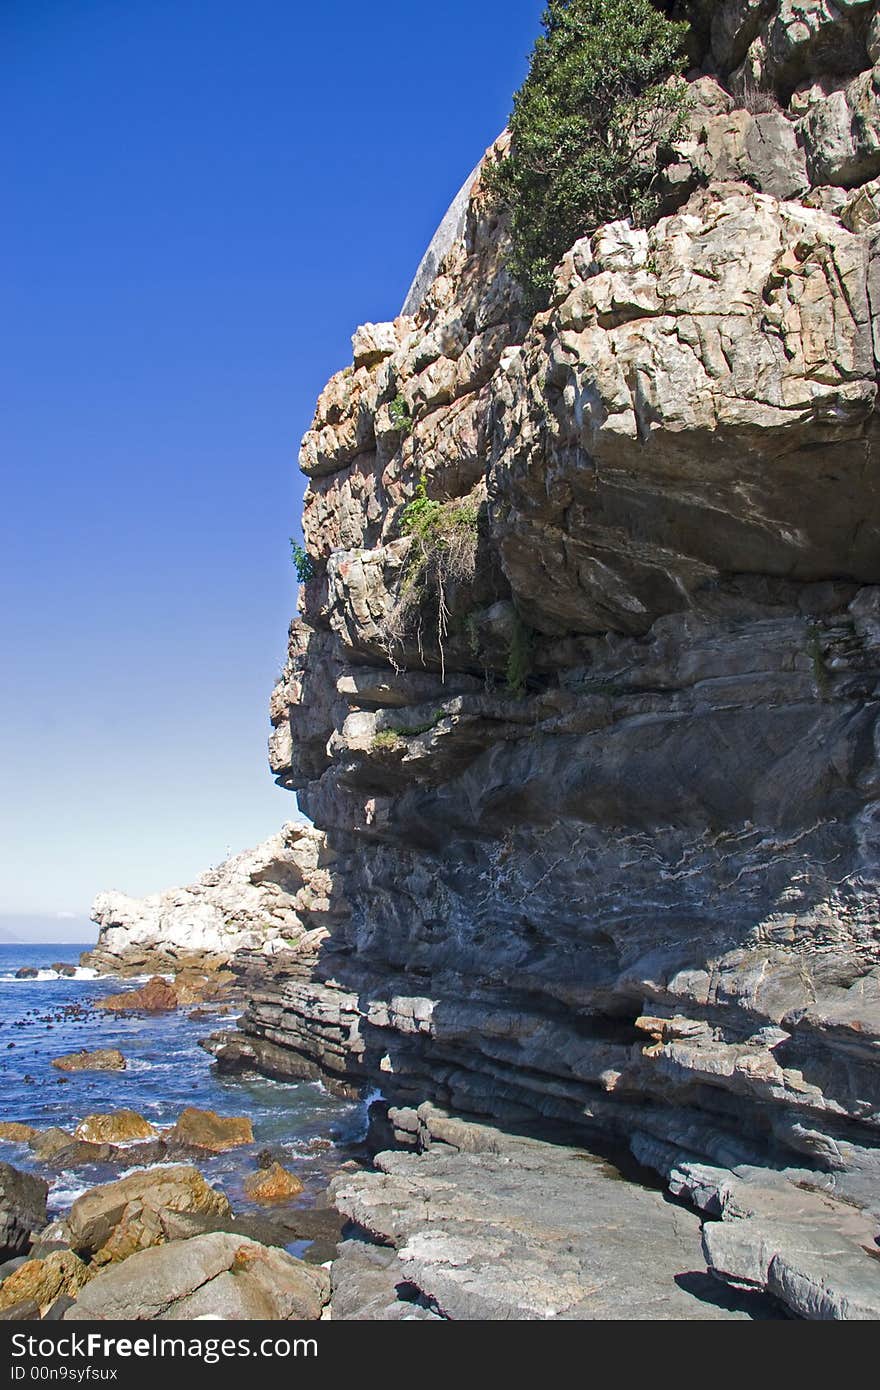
<point x="202" y="201"/>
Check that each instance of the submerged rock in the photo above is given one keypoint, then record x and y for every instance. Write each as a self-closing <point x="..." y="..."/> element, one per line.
<point x="217" y="1275"/>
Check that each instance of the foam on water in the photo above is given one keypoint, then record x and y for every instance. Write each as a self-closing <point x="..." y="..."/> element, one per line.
<point x="45" y="1016"/>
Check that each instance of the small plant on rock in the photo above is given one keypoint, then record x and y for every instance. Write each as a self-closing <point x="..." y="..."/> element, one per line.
<point x="519" y="657"/>
<point x="386" y="741"/>
<point x="400" y="417"/>
<point x="302" y="562"/>
<point x="443" y="552"/>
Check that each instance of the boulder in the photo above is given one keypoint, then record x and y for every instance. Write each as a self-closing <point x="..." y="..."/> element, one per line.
<point x="157" y="996"/>
<point x="46" y="1143"/>
<point x="204" y="1129"/>
<point x="117" y="1127"/>
<point x="42" y="1281"/>
<point x="112" y="1221"/>
<point x="211" y="1276"/>
<point x="63" y="968"/>
<point x="102" y="1059"/>
<point x="77" y="1154"/>
<point x="272" y="1184"/>
<point x="14" y="1133"/>
<point x="22" y="1209"/>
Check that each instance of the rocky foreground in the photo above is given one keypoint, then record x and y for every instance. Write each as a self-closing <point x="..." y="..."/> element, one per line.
<point x="159" y="1242"/>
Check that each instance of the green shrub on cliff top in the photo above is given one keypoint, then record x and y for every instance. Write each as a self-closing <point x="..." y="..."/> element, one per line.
<point x="585" y="126"/>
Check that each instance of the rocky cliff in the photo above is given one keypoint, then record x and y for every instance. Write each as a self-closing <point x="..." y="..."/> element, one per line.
<point x="272" y="898"/>
<point x="603" y="799"/>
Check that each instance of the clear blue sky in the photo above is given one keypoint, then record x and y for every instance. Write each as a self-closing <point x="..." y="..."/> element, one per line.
<point x="201" y="202"/>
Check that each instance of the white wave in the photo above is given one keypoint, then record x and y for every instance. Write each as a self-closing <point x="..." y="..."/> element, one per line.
<point x="64" y="1193"/>
<point x="82" y="972"/>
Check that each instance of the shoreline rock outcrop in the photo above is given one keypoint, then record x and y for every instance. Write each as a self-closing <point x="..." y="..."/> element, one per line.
<point x="604" y="815"/>
<point x="261" y="900"/>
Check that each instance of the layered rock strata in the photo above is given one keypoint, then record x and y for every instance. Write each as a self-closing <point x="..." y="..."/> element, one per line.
<point x="604" y="815"/>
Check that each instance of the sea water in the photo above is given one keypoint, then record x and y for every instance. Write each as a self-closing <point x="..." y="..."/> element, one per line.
<point x="306" y="1129"/>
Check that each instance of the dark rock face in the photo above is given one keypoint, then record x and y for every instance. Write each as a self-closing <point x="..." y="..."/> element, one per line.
<point x="22" y="1210"/>
<point x="602" y="824"/>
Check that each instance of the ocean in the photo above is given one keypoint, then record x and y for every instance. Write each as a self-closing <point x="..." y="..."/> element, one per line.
<point x="307" y="1129"/>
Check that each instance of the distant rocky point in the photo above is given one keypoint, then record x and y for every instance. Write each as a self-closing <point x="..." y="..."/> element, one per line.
<point x="263" y="900"/>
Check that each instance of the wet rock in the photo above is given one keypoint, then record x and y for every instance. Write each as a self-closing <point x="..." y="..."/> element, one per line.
<point x="117" y="1127"/>
<point x="155" y="997"/>
<point x="61" y="1274"/>
<point x="22" y="1209"/>
<point x="102" y="1059"/>
<point x="63" y="968"/>
<point x="217" y="1275"/>
<point x="110" y="1222"/>
<point x="78" y="1154"/>
<point x="26" y="972"/>
<point x="272" y="1184"/>
<point x="14" y="1133"/>
<point x="46" y="1143"/>
<point x="204" y="1129"/>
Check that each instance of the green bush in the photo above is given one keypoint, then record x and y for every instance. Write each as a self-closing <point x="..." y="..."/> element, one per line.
<point x="302" y="562"/>
<point x="400" y="416"/>
<point x="585" y="127"/>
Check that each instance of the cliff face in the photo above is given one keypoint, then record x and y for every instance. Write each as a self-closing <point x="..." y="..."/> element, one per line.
<point x="605" y="812"/>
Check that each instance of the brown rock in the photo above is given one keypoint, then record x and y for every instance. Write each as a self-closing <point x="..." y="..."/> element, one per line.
<point x="42" y="1281"/>
<point x="111" y="1222"/>
<point x="46" y="1143"/>
<point x="157" y="996"/>
<point x="203" y="1129"/>
<point x="14" y="1133"/>
<point x="102" y="1059"/>
<point x="272" y="1184"/>
<point x="115" y="1128"/>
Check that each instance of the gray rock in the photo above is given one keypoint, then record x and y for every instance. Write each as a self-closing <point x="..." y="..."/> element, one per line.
<point x="22" y="1209"/>
<point x="513" y="1228"/>
<point x="216" y="1275"/>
